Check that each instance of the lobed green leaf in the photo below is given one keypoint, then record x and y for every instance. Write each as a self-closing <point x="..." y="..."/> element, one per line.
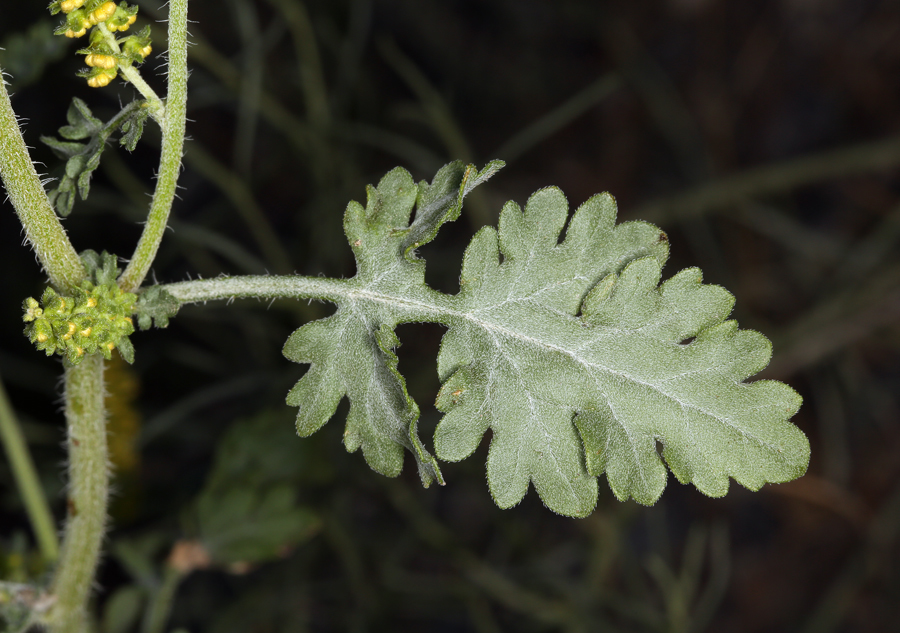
<point x="248" y="511"/>
<point x="155" y="306"/>
<point x="569" y="351"/>
<point x="571" y="396"/>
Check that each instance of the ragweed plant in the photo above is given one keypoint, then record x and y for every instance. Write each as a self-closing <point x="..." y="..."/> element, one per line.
<point x="96" y="318"/>
<point x="571" y="352"/>
<point x="105" y="53"/>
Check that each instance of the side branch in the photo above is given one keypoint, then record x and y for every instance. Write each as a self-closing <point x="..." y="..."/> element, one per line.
<point x="430" y="305"/>
<point x="133" y="76"/>
<point x="172" y="147"/>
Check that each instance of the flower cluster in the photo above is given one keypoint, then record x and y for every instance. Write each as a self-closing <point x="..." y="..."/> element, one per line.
<point x="102" y="57"/>
<point x="95" y="319"/>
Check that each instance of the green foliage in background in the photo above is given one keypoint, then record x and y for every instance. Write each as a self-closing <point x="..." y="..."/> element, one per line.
<point x="247" y="511"/>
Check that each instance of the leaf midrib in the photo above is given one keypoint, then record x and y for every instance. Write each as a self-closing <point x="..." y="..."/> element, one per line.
<point x="437" y="313"/>
<point x="431" y="306"/>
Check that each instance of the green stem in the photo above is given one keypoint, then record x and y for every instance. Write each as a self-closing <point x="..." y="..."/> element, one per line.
<point x="425" y="306"/>
<point x="157" y="614"/>
<point x="42" y="228"/>
<point x="172" y="146"/>
<point x="27" y="480"/>
<point x="133" y="76"/>
<point x="88" y="496"/>
<point x="258" y="286"/>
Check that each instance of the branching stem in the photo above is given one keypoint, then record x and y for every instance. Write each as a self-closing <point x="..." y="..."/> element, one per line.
<point x="257" y="286"/>
<point x="434" y="305"/>
<point x="87" y="443"/>
<point x="133" y="76"/>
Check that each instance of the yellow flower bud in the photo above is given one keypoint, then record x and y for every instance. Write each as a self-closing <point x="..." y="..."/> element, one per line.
<point x="33" y="310"/>
<point x="100" y="61"/>
<point x="103" y="12"/>
<point x="71" y="33"/>
<point x="99" y="81"/>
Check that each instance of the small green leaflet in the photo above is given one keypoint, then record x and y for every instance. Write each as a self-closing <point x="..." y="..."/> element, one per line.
<point x="155" y="306"/>
<point x="569" y="352"/>
<point x="83" y="158"/>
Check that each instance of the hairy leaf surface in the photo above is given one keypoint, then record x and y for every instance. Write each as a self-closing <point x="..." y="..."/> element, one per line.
<point x="570" y="396"/>
<point x="561" y="342"/>
<point x="351" y="352"/>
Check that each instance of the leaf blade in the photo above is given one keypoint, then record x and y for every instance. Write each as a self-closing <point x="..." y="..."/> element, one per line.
<point x="561" y="342"/>
<point x="615" y="379"/>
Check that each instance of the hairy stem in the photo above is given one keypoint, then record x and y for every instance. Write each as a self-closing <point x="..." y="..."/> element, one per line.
<point x="43" y="229"/>
<point x="430" y="306"/>
<point x="172" y="145"/>
<point x="257" y="286"/>
<point x="27" y="480"/>
<point x="87" y="499"/>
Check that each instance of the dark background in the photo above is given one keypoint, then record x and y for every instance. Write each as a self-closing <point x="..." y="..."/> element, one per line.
<point x="760" y="135"/>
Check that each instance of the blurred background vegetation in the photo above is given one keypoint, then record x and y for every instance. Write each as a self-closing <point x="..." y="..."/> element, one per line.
<point x="762" y="135"/>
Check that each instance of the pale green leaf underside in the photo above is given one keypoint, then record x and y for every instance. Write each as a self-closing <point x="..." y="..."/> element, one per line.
<point x="351" y="352"/>
<point x="569" y="352"/>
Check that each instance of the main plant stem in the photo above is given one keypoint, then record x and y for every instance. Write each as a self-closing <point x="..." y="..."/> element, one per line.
<point x="87" y="499"/>
<point x="87" y="445"/>
<point x="23" y="185"/>
<point x="88" y="453"/>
